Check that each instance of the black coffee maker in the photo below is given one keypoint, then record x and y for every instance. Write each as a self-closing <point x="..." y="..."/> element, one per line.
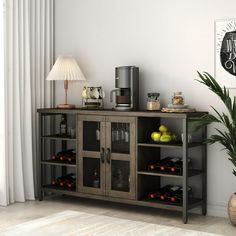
<point x="126" y="93"/>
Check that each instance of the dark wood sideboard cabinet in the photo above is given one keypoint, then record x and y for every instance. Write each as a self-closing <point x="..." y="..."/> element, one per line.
<point x="112" y="152"/>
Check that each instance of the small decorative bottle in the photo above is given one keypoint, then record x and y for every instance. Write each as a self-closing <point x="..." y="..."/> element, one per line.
<point x="63" y="126"/>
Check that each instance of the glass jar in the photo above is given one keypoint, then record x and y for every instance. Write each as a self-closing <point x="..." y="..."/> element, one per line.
<point x="153" y="102"/>
<point x="178" y="98"/>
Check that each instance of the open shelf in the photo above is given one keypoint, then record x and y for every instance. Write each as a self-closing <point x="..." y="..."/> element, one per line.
<point x="169" y="145"/>
<point x="58" y="137"/>
<point x="53" y="187"/>
<point x="58" y="163"/>
<point x="192" y="202"/>
<point x="191" y="173"/>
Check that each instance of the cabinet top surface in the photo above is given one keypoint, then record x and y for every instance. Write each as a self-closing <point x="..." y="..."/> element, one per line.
<point x="112" y="112"/>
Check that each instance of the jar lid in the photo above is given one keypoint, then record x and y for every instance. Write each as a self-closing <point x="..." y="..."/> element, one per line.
<point x="178" y="93"/>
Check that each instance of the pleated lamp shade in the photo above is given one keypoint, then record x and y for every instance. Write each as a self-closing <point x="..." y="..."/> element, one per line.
<point x="65" y="68"/>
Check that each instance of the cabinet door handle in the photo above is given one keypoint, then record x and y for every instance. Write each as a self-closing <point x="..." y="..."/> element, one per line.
<point x="108" y="155"/>
<point x="102" y="155"/>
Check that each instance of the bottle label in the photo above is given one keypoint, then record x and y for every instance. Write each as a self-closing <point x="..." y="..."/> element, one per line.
<point x="175" y="159"/>
<point x="174" y="188"/>
<point x="63" y="129"/>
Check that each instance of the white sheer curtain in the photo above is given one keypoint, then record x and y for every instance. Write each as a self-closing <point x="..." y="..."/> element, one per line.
<point x="2" y="110"/>
<point x="29" y="57"/>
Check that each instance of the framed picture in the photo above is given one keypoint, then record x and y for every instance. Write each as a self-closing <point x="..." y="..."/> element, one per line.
<point x="225" y="52"/>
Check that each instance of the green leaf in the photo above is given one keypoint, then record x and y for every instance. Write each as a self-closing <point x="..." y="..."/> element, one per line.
<point x="227" y="136"/>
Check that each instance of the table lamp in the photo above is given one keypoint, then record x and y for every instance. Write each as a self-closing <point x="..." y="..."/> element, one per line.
<point x="66" y="68"/>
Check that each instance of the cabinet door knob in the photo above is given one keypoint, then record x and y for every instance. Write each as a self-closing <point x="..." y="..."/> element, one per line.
<point x="102" y="155"/>
<point x="108" y="155"/>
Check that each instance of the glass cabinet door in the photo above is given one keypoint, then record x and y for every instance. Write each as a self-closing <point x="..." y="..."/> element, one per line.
<point x="120" y="176"/>
<point x="120" y="137"/>
<point x="91" y="136"/>
<point x="120" y="156"/>
<point x="91" y="154"/>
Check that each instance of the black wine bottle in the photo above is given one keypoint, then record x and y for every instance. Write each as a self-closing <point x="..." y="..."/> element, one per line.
<point x="71" y="181"/>
<point x="177" y="195"/>
<point x="63" y="126"/>
<point x="171" y="191"/>
<point x="157" y="194"/>
<point x="62" y="156"/>
<point x="167" y="193"/>
<point x="64" y="180"/>
<point x="70" y="156"/>
<point x="154" y="166"/>
<point x="178" y="166"/>
<point x="166" y="163"/>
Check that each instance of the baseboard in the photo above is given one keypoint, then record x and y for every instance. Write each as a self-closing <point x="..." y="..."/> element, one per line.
<point x="217" y="209"/>
<point x="214" y="209"/>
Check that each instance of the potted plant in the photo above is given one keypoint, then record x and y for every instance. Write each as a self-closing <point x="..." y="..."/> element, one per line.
<point x="225" y="136"/>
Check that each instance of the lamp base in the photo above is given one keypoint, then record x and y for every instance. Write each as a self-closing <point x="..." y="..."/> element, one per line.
<point x="66" y="106"/>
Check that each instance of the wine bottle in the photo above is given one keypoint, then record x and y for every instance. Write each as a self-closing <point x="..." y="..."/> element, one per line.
<point x="160" y="192"/>
<point x="154" y="166"/>
<point x="153" y="195"/>
<point x="178" y="165"/>
<point x="171" y="191"/>
<point x="172" y="164"/>
<point x="65" y="155"/>
<point x="56" y="157"/>
<point x="71" y="181"/>
<point x="177" y="196"/>
<point x="64" y="180"/>
<point x="166" y="163"/>
<point x="62" y="156"/>
<point x="165" y="190"/>
<point x="63" y="126"/>
<point x="58" y="180"/>
<point x="71" y="156"/>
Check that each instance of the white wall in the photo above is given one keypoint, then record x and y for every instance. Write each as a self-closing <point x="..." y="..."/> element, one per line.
<point x="169" y="40"/>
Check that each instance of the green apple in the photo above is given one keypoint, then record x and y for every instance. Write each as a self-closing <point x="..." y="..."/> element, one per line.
<point x="166" y="133"/>
<point x="165" y="138"/>
<point x="155" y="136"/>
<point x="163" y="128"/>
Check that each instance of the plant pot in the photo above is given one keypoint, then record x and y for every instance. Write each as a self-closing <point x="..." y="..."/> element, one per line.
<point x="232" y="209"/>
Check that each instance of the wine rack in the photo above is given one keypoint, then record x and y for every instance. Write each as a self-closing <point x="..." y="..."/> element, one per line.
<point x="113" y="154"/>
<point x="151" y="178"/>
<point x="57" y="154"/>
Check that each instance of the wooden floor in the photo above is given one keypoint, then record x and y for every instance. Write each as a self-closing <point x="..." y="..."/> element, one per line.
<point x="22" y="212"/>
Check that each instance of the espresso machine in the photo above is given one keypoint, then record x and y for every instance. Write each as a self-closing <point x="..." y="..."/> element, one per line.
<point x="126" y="93"/>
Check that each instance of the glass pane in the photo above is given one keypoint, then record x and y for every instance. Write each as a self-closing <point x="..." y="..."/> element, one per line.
<point x="91" y="136"/>
<point x="120" y="176"/>
<point x="120" y="138"/>
<point x="91" y="172"/>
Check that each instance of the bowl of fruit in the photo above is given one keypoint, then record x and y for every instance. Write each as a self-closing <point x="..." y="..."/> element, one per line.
<point x="163" y="135"/>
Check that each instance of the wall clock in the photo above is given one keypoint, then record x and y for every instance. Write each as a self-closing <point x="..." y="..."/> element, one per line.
<point x="225" y="52"/>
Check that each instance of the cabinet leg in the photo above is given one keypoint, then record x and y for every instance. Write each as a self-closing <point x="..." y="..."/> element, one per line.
<point x="204" y="208"/>
<point x="185" y="217"/>
<point x="40" y="195"/>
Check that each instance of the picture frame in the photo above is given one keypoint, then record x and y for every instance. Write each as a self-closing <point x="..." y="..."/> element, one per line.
<point x="225" y="52"/>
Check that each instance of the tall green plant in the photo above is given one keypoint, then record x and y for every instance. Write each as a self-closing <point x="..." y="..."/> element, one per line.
<point x="226" y="136"/>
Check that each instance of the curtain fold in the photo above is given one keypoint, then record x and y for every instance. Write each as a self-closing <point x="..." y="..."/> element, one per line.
<point x="29" y="57"/>
<point x="2" y="107"/>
